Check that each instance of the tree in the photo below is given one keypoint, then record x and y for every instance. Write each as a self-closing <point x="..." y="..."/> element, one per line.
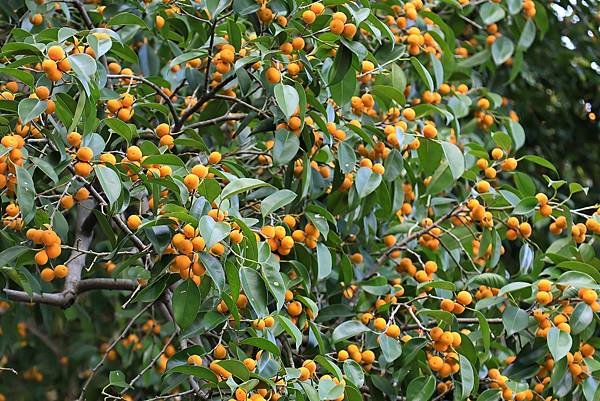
<point x="284" y="200"/>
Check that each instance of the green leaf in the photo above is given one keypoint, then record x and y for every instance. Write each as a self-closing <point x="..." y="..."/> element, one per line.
<point x="421" y="388"/>
<point x="394" y="165"/>
<point x="366" y="181"/>
<point x="186" y="301"/>
<point x="214" y="269"/>
<point x="25" y="193"/>
<point x="46" y="167"/>
<point x="490" y="395"/>
<point x="263" y="344"/>
<point x="12" y="253"/>
<point x="254" y="288"/>
<point x="491" y="12"/>
<point x="117" y="378"/>
<point x="423" y="73"/>
<point x="590" y="389"/>
<point x="110" y="182"/>
<point x="525" y="205"/>
<point x="324" y="261"/>
<point x="475" y="60"/>
<point x="171" y="160"/>
<point x="30" y="109"/>
<point x="354" y="372"/>
<point x="485" y="331"/>
<point x="212" y="231"/>
<point x="581" y="318"/>
<point x="287" y="99"/>
<point x="517" y="133"/>
<point x="341" y="65"/>
<point x="541" y="161"/>
<point x="22" y="76"/>
<point x="577" y="279"/>
<point x="467" y="377"/>
<point x="83" y="65"/>
<point x="456" y="159"/>
<point x="389" y="95"/>
<point x="276" y="200"/>
<point x="559" y="343"/>
<point x="502" y="49"/>
<point x="347" y="329"/>
<point x="127" y="131"/>
<point x="127" y="19"/>
<point x="196" y="371"/>
<point x="527" y="35"/>
<point x="291" y="329"/>
<point x="328" y="390"/>
<point x="390" y="347"/>
<point x="286" y="146"/>
<point x="582" y="267"/>
<point x="514" y="320"/>
<point x="241" y="185"/>
<point x="515" y="286"/>
<point x="185" y="57"/>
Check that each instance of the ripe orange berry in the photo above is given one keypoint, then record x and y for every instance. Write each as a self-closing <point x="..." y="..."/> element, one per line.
<point x="83" y="169"/>
<point x="273" y="75"/>
<point x="220" y="352"/>
<point x="85" y="154"/>
<point x="464" y="298"/>
<point x="294" y="308"/>
<point x="543" y="297"/>
<point x="482" y="186"/>
<point x="191" y="182"/>
<point x="42" y="92"/>
<point x="589" y="296"/>
<point x="214" y="157"/>
<point x="309" y="17"/>
<point x="74" y="139"/>
<point x="194" y="360"/>
<point x="544" y="285"/>
<point x="134" y="154"/>
<point x="61" y="271"/>
<point x="393" y="331"/>
<point x="47" y="274"/>
<point x="67" y="202"/>
<point x="56" y="53"/>
<point x="134" y="222"/>
<point x="41" y="257"/>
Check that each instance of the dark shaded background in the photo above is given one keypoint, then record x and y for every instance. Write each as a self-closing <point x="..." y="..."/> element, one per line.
<point x="559" y="88"/>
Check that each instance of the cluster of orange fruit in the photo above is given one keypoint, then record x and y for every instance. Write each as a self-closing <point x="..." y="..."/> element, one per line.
<point x="365" y="358"/>
<point x="431" y="238"/>
<point x="12" y="219"/>
<point x="122" y="107"/>
<point x="68" y="201"/>
<point x="500" y="382"/>
<point x="544" y="297"/>
<point x="278" y="239"/>
<point x="406" y="265"/>
<point x="51" y="249"/>
<point x="8" y="178"/>
<point x="463" y="298"/>
<point x="56" y="64"/>
<point x="575" y="363"/>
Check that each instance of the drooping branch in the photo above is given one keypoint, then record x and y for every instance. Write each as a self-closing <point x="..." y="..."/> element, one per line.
<point x="74" y="286"/>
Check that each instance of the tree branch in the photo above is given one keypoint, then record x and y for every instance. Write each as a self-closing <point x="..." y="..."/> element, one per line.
<point x="203" y="99"/>
<point x="65" y="299"/>
<point x="223" y="118"/>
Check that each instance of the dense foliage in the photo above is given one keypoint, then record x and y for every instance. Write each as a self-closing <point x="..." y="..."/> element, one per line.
<point x="275" y="200"/>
